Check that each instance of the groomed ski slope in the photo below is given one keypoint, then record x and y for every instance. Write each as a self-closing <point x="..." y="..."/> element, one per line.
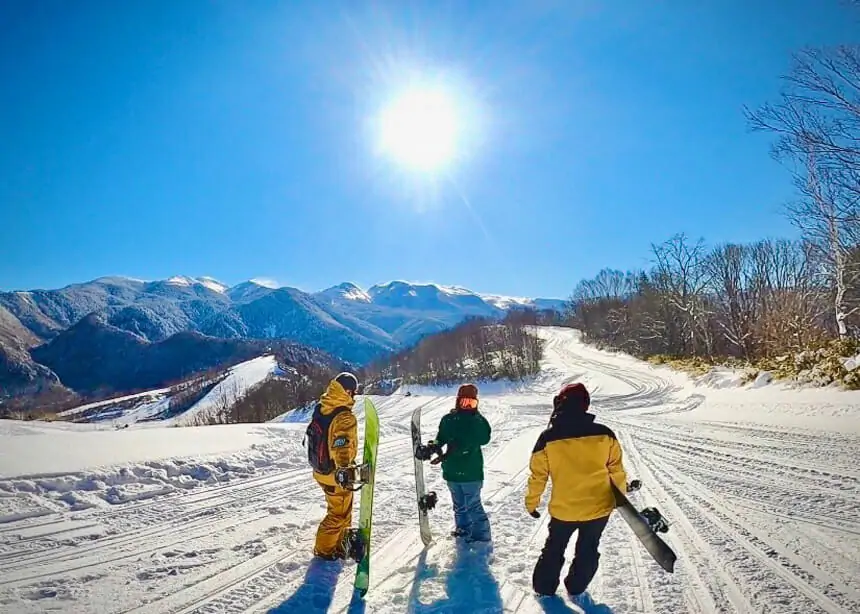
<point x="145" y="407"/>
<point x="760" y="488"/>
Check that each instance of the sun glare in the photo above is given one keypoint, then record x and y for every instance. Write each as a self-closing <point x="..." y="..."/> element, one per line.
<point x="419" y="129"/>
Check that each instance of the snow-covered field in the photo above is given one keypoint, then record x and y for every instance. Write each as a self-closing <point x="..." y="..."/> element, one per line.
<point x="760" y="487"/>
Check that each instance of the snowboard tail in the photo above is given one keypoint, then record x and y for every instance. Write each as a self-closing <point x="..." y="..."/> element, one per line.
<point x="365" y="514"/>
<point x="643" y="528"/>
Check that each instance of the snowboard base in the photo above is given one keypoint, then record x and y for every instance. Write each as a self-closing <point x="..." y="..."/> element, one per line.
<point x="365" y="514"/>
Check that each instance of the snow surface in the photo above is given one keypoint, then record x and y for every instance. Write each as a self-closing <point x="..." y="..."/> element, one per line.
<point x="759" y="486"/>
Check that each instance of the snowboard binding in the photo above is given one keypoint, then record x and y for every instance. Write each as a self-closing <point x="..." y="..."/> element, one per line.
<point x="426" y="452"/>
<point x="353" y="545"/>
<point x="351" y="475"/>
<point x="655" y="520"/>
<point x="427" y="502"/>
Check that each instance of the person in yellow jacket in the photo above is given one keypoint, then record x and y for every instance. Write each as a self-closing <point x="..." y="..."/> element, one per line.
<point x="583" y="460"/>
<point x="339" y="443"/>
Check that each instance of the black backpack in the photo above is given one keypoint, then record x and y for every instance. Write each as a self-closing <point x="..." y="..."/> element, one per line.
<point x="317" y="439"/>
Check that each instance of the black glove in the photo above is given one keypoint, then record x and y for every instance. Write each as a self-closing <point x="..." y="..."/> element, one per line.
<point x="534" y="514"/>
<point x="633" y="485"/>
<point x="426" y="452"/>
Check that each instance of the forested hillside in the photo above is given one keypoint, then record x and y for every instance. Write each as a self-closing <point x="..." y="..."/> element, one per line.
<point x="478" y="349"/>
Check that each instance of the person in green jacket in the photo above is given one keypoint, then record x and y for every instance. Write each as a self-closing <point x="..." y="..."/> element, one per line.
<point x="463" y="431"/>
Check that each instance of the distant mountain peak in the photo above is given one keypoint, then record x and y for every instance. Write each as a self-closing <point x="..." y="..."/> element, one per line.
<point x="212" y="284"/>
<point x="347" y="291"/>
<point x="207" y="282"/>
<point x="455" y="290"/>
<point x="180" y="280"/>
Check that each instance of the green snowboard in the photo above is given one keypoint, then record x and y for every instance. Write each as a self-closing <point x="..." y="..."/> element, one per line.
<point x="365" y="514"/>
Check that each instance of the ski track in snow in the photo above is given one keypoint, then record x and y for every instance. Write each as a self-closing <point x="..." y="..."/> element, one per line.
<point x="763" y="516"/>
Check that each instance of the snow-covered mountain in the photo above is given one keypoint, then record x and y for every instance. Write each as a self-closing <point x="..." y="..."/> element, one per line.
<point x="344" y="292"/>
<point x="346" y="321"/>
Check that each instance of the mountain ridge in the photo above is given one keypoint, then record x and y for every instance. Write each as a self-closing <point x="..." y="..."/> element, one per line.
<point x="344" y="321"/>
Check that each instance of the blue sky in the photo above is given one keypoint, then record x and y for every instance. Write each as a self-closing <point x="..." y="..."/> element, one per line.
<point x="234" y="139"/>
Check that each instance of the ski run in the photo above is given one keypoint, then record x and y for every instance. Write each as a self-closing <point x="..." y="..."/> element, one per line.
<point x="759" y="485"/>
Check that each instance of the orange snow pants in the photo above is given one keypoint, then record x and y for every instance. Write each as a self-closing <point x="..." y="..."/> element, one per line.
<point x="337" y="520"/>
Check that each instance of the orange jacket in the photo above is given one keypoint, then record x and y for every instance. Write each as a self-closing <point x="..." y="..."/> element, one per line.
<point x="343" y="432"/>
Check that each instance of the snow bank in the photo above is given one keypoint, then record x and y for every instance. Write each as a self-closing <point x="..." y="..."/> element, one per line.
<point x="721" y="377"/>
<point x="129" y="482"/>
<point x="31" y="449"/>
<point x="44" y="469"/>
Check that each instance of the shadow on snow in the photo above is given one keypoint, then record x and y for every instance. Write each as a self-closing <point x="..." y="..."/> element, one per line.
<point x="557" y="605"/>
<point x="316" y="592"/>
<point x="469" y="585"/>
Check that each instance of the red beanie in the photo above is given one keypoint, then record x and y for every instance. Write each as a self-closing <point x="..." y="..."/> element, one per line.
<point x="572" y="396"/>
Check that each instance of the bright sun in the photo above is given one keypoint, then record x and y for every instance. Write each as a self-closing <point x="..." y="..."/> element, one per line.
<point x="419" y="129"/>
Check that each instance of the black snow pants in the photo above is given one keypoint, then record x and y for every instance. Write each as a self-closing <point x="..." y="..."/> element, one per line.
<point x="548" y="569"/>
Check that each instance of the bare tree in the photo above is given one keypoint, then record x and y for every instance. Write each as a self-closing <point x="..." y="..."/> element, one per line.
<point x="681" y="273"/>
<point x="736" y="294"/>
<point x="819" y="112"/>
<point x="824" y="218"/>
<point x="817" y="123"/>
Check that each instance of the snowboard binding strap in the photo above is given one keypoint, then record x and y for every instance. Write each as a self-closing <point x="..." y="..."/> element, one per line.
<point x="352" y="477"/>
<point x="655" y="520"/>
<point x="353" y="545"/>
<point x="427" y="502"/>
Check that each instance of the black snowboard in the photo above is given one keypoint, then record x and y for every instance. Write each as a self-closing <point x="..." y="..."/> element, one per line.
<point x="655" y="546"/>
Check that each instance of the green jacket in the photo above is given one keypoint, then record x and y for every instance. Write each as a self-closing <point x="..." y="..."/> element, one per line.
<point x="464" y="432"/>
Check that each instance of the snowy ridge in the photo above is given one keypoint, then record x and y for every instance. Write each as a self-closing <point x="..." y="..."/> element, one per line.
<point x="207" y="282"/>
<point x="759" y="487"/>
<point x="506" y="302"/>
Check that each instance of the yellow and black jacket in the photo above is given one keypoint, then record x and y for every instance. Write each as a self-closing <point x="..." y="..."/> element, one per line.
<point x="343" y="431"/>
<point x="581" y="457"/>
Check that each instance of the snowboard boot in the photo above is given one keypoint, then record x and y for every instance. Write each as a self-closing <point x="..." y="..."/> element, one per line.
<point x="353" y="545"/>
<point x="337" y="555"/>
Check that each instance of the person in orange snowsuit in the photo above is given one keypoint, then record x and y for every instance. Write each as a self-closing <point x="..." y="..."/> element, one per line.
<point x="342" y="444"/>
